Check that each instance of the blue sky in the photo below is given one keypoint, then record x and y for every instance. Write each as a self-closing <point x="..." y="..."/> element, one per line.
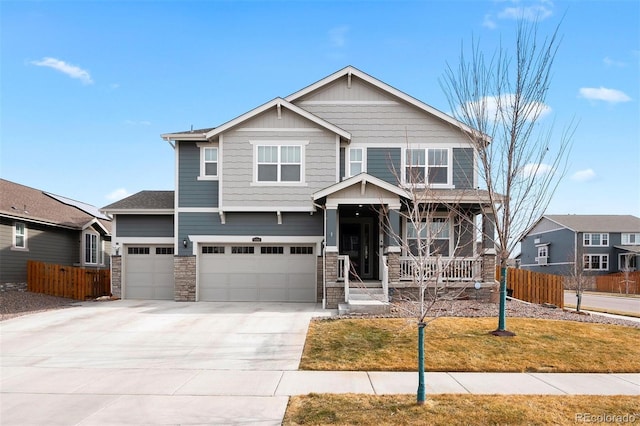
<point x="88" y="87"/>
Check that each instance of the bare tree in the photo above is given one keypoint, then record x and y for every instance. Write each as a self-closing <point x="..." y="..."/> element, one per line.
<point x="502" y="100"/>
<point x="576" y="279"/>
<point x="437" y="245"/>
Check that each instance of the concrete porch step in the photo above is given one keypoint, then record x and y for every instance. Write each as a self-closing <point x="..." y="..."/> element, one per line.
<point x="368" y="307"/>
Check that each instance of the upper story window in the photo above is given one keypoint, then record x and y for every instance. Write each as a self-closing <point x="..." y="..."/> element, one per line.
<point x="356" y="161"/>
<point x="427" y="166"/>
<point x="543" y="251"/>
<point x="279" y="163"/>
<point x="20" y="236"/>
<point x="209" y="162"/>
<point x="431" y="238"/>
<point x="631" y="239"/>
<point x="592" y="240"/>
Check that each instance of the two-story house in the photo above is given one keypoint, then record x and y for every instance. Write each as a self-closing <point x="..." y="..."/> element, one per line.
<point x="582" y="244"/>
<point x="294" y="199"/>
<point x="37" y="225"/>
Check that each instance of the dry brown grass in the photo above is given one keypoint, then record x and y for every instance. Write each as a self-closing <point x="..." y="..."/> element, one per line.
<point x="464" y="344"/>
<point x="447" y="410"/>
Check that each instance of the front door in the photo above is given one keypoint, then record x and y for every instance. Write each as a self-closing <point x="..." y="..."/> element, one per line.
<point x="357" y="241"/>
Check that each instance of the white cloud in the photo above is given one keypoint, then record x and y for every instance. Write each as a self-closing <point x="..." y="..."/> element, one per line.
<point x="613" y="63"/>
<point x="535" y="12"/>
<point x="533" y="170"/>
<point x="337" y="35"/>
<point x="503" y="105"/>
<point x="488" y="22"/>
<point x="603" y="94"/>
<point x="117" y="194"/>
<point x="65" y="68"/>
<point x="583" y="175"/>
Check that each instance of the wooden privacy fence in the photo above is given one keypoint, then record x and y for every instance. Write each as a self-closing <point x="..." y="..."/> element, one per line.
<point x="535" y="287"/>
<point x="619" y="282"/>
<point x="68" y="281"/>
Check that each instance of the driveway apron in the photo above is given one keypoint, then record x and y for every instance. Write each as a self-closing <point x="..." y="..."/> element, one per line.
<point x="151" y="362"/>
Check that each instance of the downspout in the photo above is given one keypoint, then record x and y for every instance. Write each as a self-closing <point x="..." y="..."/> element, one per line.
<point x="324" y="259"/>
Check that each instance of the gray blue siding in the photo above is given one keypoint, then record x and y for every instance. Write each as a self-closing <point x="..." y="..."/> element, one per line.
<point x="191" y="191"/>
<point x="144" y="225"/>
<point x="45" y="244"/>
<point x="384" y="163"/>
<point x="463" y="168"/>
<point x="249" y="224"/>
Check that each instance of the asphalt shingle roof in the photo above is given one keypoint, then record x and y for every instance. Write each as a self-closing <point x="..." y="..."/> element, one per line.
<point x="598" y="223"/>
<point x="28" y="203"/>
<point x="144" y="200"/>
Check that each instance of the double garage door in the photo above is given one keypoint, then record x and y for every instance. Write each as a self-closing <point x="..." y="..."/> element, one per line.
<point x="274" y="273"/>
<point x="227" y="272"/>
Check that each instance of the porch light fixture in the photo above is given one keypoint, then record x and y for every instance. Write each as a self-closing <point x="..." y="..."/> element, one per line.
<point x="184" y="243"/>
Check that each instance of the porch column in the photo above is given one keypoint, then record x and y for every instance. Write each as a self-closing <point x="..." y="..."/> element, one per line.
<point x="331" y="223"/>
<point x="392" y="245"/>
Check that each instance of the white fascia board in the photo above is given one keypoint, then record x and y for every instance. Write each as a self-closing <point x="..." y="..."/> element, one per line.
<point x="268" y="209"/>
<point x="184" y="136"/>
<point x="139" y="211"/>
<point x="243" y="239"/>
<point x="143" y="240"/>
<point x="360" y="178"/>
<point x="198" y="210"/>
<point x="382" y="86"/>
<point x="282" y="102"/>
<point x="96" y="222"/>
<point x="392" y="203"/>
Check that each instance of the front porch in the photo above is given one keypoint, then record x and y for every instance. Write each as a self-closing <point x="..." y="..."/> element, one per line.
<point x="370" y="255"/>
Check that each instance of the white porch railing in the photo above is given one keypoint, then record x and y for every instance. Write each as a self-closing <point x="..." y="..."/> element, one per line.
<point x="453" y="269"/>
<point x="385" y="278"/>
<point x="343" y="274"/>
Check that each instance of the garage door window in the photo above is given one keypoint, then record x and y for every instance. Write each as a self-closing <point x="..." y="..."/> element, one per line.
<point x="242" y="250"/>
<point x="272" y="250"/>
<point x="138" y="250"/>
<point x="164" y="250"/>
<point x="212" y="249"/>
<point x="301" y="250"/>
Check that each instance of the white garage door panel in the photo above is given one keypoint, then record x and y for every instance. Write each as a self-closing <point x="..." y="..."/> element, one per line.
<point x="282" y="277"/>
<point x="148" y="275"/>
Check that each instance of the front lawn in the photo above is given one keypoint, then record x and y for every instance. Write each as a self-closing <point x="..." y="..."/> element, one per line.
<point x="464" y="344"/>
<point x="448" y="410"/>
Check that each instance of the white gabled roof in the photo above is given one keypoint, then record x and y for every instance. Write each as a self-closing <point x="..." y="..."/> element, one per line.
<point x="360" y="178"/>
<point x="279" y="102"/>
<point x="352" y="71"/>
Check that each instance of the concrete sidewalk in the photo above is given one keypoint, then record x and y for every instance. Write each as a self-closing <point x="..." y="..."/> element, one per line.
<point x="32" y="395"/>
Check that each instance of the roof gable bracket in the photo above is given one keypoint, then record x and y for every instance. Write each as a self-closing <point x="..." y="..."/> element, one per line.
<point x="363" y="187"/>
<point x="279" y="108"/>
<point x="222" y="218"/>
<point x="349" y="80"/>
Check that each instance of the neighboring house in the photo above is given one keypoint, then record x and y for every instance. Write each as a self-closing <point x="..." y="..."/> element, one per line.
<point x="582" y="244"/>
<point x="37" y="225"/>
<point x="274" y="204"/>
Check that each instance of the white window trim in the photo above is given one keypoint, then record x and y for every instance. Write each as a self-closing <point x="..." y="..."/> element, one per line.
<point x="99" y="249"/>
<point x="202" y="175"/>
<point x="347" y="155"/>
<point x="279" y="143"/>
<point x="426" y="148"/>
<point x="595" y="245"/>
<point x="628" y="238"/>
<point x="408" y="223"/>
<point x="25" y="247"/>
<point x="600" y="262"/>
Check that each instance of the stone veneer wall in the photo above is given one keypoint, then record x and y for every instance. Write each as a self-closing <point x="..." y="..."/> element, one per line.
<point x="184" y="272"/>
<point x="116" y="276"/>
<point x="13" y="287"/>
<point x="335" y="295"/>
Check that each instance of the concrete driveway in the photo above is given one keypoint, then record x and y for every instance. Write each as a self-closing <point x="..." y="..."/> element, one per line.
<point x="151" y="362"/>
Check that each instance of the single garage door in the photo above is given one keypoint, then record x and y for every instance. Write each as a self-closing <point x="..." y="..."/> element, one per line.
<point x="244" y="273"/>
<point x="149" y="272"/>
